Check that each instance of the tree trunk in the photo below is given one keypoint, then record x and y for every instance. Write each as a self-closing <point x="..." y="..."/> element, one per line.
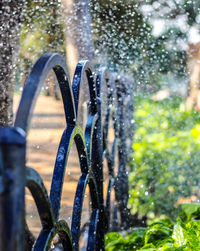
<point x="193" y="66"/>
<point x="79" y="44"/>
<point x="10" y="19"/>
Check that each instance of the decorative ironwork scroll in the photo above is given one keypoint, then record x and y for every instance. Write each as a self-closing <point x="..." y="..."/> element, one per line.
<point x="92" y="148"/>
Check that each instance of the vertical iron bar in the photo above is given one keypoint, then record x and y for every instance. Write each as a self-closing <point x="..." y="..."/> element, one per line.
<point x="97" y="167"/>
<point x="12" y="189"/>
<point x="121" y="187"/>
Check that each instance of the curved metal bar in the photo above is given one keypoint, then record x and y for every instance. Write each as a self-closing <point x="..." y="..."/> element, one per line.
<point x="93" y="192"/>
<point x="95" y="216"/>
<point x="113" y="154"/>
<point x="77" y="209"/>
<point x="110" y="157"/>
<point x="108" y="201"/>
<point x="93" y="230"/>
<point x="34" y="84"/>
<point x="82" y="68"/>
<point x="35" y="185"/>
<point x="45" y="238"/>
<point x="70" y="134"/>
<point x="102" y="79"/>
<point x="89" y="130"/>
<point x="105" y="129"/>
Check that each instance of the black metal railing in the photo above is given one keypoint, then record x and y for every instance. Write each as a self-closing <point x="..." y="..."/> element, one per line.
<point x="92" y="148"/>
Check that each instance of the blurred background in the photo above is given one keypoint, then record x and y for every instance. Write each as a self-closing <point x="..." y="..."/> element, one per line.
<point x="156" y="43"/>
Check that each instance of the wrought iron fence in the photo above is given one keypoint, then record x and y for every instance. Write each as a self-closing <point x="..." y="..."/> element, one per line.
<point x="92" y="148"/>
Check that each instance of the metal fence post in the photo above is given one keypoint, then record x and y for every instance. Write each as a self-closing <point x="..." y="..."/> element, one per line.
<point x="12" y="188"/>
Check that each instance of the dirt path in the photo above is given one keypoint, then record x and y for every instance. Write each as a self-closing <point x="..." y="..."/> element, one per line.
<point x="46" y="129"/>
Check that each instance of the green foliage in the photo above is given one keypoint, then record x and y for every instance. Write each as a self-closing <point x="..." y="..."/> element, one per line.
<point x="165" y="167"/>
<point x="191" y="210"/>
<point x="124" y="34"/>
<point x="164" y="235"/>
<point x="120" y="30"/>
<point x="41" y="32"/>
<point x="42" y="28"/>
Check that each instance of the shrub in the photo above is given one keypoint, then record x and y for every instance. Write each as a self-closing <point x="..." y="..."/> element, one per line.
<point x="163" y="235"/>
<point x="165" y="169"/>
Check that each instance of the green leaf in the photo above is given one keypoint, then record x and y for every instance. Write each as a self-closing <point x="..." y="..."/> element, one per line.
<point x="178" y="235"/>
<point x="157" y="231"/>
<point x="137" y="232"/>
<point x="111" y="239"/>
<point x="148" y="247"/>
<point x="190" y="208"/>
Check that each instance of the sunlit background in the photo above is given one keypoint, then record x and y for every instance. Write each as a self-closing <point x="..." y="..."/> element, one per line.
<point x="156" y="43"/>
